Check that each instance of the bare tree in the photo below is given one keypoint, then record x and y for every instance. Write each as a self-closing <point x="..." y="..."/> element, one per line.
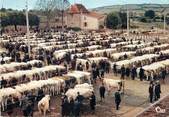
<point x="52" y="8"/>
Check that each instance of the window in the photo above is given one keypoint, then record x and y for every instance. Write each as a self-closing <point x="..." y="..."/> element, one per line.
<point x="85" y="24"/>
<point x="84" y="18"/>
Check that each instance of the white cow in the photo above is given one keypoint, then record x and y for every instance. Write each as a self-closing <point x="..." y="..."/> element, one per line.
<point x="85" y="85"/>
<point x="111" y="84"/>
<point x="84" y="89"/>
<point x="43" y="105"/>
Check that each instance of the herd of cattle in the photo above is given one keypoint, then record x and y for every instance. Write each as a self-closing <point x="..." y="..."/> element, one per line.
<point x="69" y="58"/>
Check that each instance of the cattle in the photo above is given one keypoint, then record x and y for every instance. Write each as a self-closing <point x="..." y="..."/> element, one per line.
<point x="43" y="105"/>
<point x="111" y="84"/>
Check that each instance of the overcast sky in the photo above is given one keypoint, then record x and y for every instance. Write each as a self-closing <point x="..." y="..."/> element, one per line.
<point x="20" y="4"/>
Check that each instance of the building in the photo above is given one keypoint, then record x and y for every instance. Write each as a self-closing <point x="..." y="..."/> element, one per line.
<point x="79" y="16"/>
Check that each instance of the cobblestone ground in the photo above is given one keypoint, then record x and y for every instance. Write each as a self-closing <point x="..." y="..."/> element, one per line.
<point x="134" y="100"/>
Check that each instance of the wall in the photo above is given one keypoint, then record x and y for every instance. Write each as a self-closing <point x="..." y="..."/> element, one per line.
<point x="73" y="20"/>
<point x="92" y="23"/>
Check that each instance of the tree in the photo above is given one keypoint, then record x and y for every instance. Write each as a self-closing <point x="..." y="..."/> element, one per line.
<point x="50" y="8"/>
<point x="116" y="20"/>
<point x="33" y="20"/>
<point x="19" y="18"/>
<point x="2" y="9"/>
<point x="143" y="19"/>
<point x="123" y="19"/>
<point x="112" y="20"/>
<point x="150" y="14"/>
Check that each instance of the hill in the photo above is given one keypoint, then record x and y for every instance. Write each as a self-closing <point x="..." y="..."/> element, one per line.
<point x="139" y="8"/>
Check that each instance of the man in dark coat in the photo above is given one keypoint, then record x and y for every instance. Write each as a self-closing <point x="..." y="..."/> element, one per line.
<point x="71" y="106"/>
<point x="151" y="92"/>
<point x="14" y="81"/>
<point x="115" y="69"/>
<point x="102" y="73"/>
<point x="157" y="90"/>
<point x="122" y="72"/>
<point x="9" y="105"/>
<point x="3" y="83"/>
<point x="40" y="94"/>
<point x="79" y="98"/>
<point x="102" y="91"/>
<point x="93" y="65"/>
<point x="97" y="72"/>
<point x="2" y="61"/>
<point x="65" y="107"/>
<point x="76" y="108"/>
<point x="133" y="73"/>
<point x="87" y="65"/>
<point x="127" y="71"/>
<point x="141" y="74"/>
<point x="94" y="75"/>
<point x="163" y="74"/>
<point x="24" y="106"/>
<point x="93" y="102"/>
<point x="117" y="99"/>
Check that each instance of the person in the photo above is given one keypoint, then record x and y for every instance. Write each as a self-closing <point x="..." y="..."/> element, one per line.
<point x="127" y="71"/>
<point x="155" y="77"/>
<point x="125" y="56"/>
<point x="117" y="99"/>
<point x="14" y="81"/>
<point x="2" y="61"/>
<point x="122" y="72"/>
<point x="71" y="106"/>
<point x="9" y="105"/>
<point x="133" y="73"/>
<point x="97" y="72"/>
<point x="151" y="92"/>
<point x="157" y="90"/>
<point x="102" y="91"/>
<point x="93" y="65"/>
<point x="107" y="67"/>
<point x="29" y="109"/>
<point x="163" y="74"/>
<point x="102" y="73"/>
<point x="115" y="69"/>
<point x="24" y="106"/>
<point x="94" y="75"/>
<point x="40" y="94"/>
<point x="87" y="65"/>
<point x="92" y="102"/>
<point x="65" y="107"/>
<point x="141" y="74"/>
<point x="3" y="83"/>
<point x="79" y="98"/>
<point x="62" y="106"/>
<point x="76" y="108"/>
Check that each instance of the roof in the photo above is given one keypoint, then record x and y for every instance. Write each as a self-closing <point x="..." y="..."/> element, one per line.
<point x="95" y="15"/>
<point x="77" y="8"/>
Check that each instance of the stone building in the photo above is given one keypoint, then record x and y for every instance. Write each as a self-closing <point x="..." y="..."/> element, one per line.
<point x="79" y="16"/>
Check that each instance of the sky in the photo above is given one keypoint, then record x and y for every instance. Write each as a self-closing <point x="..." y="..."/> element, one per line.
<point x="20" y="4"/>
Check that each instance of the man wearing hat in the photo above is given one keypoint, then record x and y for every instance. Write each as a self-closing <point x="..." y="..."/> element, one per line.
<point x="157" y="90"/>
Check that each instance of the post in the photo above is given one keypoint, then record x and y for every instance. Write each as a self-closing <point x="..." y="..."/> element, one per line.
<point x="62" y="15"/>
<point x="1" y="19"/>
<point x="164" y="23"/>
<point x="27" y="27"/>
<point x="128" y="26"/>
<point x="1" y="24"/>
